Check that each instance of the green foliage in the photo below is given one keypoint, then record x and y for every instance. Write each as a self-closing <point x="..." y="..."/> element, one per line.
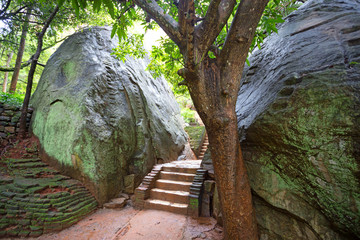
<point x="274" y="13"/>
<point x="195" y="134"/>
<point x="188" y="115"/>
<point x="64" y="24"/>
<point x="132" y="46"/>
<point x="166" y="60"/>
<point x="12" y="99"/>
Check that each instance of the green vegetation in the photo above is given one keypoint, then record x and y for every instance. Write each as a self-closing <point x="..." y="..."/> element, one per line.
<point x="12" y="99"/>
<point x="195" y="135"/>
<point x="188" y="115"/>
<point x="65" y="23"/>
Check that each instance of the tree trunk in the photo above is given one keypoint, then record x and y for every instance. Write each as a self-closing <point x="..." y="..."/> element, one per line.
<point x="232" y="181"/>
<point x="6" y="74"/>
<point x="213" y="85"/>
<point x="24" y="110"/>
<point x="217" y="110"/>
<point x="20" y="53"/>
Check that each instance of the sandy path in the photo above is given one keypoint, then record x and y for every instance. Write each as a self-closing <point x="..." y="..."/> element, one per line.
<point x="131" y="224"/>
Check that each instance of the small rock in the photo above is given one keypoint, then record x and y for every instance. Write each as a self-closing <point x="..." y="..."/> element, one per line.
<point x="4" y="118"/>
<point x="129" y="183"/>
<point x="124" y="195"/>
<point x="218" y="230"/>
<point x="116" y="203"/>
<point x="209" y="185"/>
<point x="10" y="129"/>
<point x="10" y="107"/>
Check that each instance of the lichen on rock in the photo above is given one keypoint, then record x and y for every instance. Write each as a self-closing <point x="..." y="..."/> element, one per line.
<point x="298" y="112"/>
<point x="99" y="119"/>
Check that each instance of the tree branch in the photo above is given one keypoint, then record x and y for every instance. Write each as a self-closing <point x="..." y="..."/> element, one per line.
<point x="56" y="42"/>
<point x="216" y="17"/>
<point x="182" y="13"/>
<point x="40" y="64"/>
<point x="28" y="62"/>
<point x="6" y="7"/>
<point x="165" y="21"/>
<point x="241" y="33"/>
<point x="6" y="16"/>
<point x="11" y="69"/>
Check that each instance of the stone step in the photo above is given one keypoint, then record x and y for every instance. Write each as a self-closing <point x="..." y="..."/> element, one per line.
<point x="170" y="195"/>
<point x="166" y="206"/>
<point x="180" y="169"/>
<point x="35" y="164"/>
<point x="173" y="185"/>
<point x="177" y="176"/>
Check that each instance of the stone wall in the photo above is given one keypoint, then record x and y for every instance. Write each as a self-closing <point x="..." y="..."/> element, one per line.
<point x="9" y="119"/>
<point x="36" y="199"/>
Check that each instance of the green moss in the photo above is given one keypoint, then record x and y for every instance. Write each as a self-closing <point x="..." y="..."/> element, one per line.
<point x="70" y="70"/>
<point x="311" y="147"/>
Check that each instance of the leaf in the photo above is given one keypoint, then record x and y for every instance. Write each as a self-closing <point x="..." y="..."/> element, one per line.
<point x="121" y="33"/>
<point x="258" y="45"/>
<point x="97" y="5"/>
<point x="61" y="2"/>
<point x="82" y="3"/>
<point x="248" y="62"/>
<point x="75" y="5"/>
<point x="110" y="6"/>
<point x="113" y="31"/>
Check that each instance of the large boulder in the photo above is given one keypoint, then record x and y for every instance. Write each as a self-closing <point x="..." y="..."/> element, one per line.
<point x="299" y="117"/>
<point x="103" y="121"/>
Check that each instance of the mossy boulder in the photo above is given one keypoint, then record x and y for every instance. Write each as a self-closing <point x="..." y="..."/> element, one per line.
<point x="298" y="112"/>
<point x="98" y="119"/>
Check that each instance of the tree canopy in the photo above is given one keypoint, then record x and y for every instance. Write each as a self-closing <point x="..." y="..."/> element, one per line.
<point x="66" y="22"/>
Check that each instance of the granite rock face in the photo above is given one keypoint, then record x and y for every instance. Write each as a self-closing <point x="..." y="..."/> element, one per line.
<point x="298" y="114"/>
<point x="99" y="119"/>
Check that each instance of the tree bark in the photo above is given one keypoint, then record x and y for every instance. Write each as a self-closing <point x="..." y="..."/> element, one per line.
<point x="20" y="53"/>
<point x="24" y="110"/>
<point x="7" y="73"/>
<point x="232" y="182"/>
<point x="217" y="110"/>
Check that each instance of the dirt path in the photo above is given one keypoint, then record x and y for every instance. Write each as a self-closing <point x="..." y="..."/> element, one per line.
<point x="131" y="224"/>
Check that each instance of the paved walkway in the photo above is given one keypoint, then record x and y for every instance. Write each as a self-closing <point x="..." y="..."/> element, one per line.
<point x="131" y="224"/>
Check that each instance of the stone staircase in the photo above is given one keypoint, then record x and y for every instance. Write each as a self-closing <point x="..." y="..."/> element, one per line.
<point x="173" y="187"/>
<point x="204" y="147"/>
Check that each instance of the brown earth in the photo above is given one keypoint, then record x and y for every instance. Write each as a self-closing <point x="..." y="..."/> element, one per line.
<point x="19" y="148"/>
<point x="131" y="224"/>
